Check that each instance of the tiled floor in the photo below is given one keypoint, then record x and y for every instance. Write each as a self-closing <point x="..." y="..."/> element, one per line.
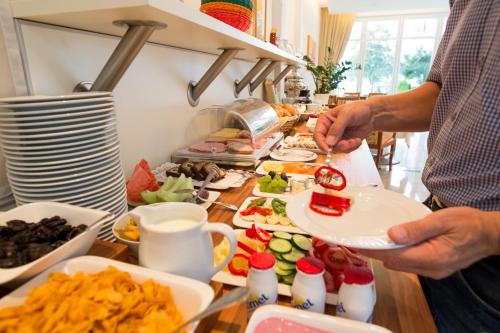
<point x="405" y="176"/>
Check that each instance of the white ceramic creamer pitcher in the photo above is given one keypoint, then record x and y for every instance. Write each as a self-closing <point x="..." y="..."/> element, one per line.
<point x="176" y="238"/>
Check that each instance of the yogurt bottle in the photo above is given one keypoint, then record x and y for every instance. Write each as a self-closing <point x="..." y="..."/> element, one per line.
<point x="308" y="289"/>
<point x="357" y="294"/>
<point x="262" y="282"/>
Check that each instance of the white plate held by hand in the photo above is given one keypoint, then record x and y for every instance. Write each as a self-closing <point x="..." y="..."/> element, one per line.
<point x="364" y="225"/>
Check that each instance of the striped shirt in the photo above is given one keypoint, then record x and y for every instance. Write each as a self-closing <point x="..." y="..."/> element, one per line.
<point x="463" y="168"/>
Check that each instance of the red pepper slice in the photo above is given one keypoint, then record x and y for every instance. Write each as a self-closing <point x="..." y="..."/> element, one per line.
<point x="251" y="233"/>
<point x="246" y="248"/>
<point x="239" y="264"/>
<point x="328" y="172"/>
<point x="323" y="210"/>
<point x="328" y="200"/>
<point x="256" y="209"/>
<point x="262" y="235"/>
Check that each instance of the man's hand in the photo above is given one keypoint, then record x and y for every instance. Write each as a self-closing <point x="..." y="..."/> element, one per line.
<point x="443" y="242"/>
<point x="344" y="127"/>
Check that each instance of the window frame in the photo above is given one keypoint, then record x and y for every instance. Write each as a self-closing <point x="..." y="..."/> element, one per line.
<point x="441" y="17"/>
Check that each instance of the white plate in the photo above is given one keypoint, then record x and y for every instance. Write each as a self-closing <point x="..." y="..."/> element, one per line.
<point x="293" y="155"/>
<point x="241" y="281"/>
<point x="62" y="175"/>
<point x="232" y="179"/>
<point x="73" y="199"/>
<point x="316" y="320"/>
<point x="285" y="143"/>
<point x="67" y="179"/>
<point x="66" y="134"/>
<point x="261" y="171"/>
<point x="56" y="163"/>
<point x="56" y="192"/>
<point x="62" y="156"/>
<point x="94" y="198"/>
<point x="239" y="222"/>
<point x="77" y="246"/>
<point x="191" y="296"/>
<point x="57" y="118"/>
<point x="65" y="169"/>
<point x="54" y="150"/>
<point x="54" y="112"/>
<point x="102" y="132"/>
<point x="43" y="106"/>
<point x="44" y="98"/>
<point x="56" y="130"/>
<point x="79" y="182"/>
<point x="366" y="223"/>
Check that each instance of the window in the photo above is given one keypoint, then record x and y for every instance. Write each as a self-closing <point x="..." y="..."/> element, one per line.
<point x="395" y="52"/>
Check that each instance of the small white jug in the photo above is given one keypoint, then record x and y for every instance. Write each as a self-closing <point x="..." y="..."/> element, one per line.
<point x="185" y="246"/>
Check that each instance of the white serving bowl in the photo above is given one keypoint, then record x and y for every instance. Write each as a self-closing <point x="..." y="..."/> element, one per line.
<point x="77" y="246"/>
<point x="190" y="296"/>
<point x="120" y="223"/>
<point x="316" y="320"/>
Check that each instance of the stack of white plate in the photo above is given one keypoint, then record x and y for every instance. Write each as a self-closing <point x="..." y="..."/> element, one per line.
<point x="66" y="149"/>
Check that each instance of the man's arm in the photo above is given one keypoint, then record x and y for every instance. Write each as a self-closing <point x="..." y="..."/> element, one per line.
<point x="407" y="112"/>
<point x="344" y="127"/>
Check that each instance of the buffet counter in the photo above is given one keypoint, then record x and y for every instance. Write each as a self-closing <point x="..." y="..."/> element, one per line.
<point x="401" y="305"/>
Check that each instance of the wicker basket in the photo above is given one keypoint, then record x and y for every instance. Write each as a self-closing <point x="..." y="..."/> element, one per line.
<point x="237" y="16"/>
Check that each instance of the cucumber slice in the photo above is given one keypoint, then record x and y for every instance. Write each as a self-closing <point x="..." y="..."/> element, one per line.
<point x="293" y="256"/>
<point x="288" y="279"/>
<point x="282" y="235"/>
<point x="302" y="242"/>
<point x="285" y="265"/>
<point x="282" y="272"/>
<point x="280" y="245"/>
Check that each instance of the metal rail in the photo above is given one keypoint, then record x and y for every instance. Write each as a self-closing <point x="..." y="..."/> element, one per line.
<point x="245" y="81"/>
<point x="263" y="75"/>
<point x="196" y="89"/>
<point x="132" y="42"/>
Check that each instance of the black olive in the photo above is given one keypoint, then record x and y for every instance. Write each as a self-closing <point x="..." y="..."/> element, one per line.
<point x="17" y="225"/>
<point x="272" y="174"/>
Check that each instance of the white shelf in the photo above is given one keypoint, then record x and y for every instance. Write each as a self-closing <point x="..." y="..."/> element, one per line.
<point x="187" y="28"/>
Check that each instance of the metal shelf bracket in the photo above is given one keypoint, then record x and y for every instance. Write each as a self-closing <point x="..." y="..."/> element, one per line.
<point x="137" y="35"/>
<point x="283" y="73"/>
<point x="240" y="85"/>
<point x="196" y="89"/>
<point x="263" y="75"/>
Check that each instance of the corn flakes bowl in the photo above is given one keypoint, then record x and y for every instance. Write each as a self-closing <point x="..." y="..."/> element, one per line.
<point x="102" y="295"/>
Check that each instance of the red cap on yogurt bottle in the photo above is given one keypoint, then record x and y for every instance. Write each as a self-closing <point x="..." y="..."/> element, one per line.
<point x="262" y="260"/>
<point x="357" y="275"/>
<point x="310" y="265"/>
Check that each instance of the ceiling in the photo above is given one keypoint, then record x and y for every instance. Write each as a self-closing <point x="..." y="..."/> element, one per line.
<point x="367" y="6"/>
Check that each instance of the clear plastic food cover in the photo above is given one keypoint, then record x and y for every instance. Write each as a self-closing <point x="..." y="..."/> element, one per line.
<point x="252" y="114"/>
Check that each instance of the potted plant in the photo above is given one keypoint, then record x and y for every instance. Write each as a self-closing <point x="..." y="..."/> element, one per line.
<point x="327" y="77"/>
